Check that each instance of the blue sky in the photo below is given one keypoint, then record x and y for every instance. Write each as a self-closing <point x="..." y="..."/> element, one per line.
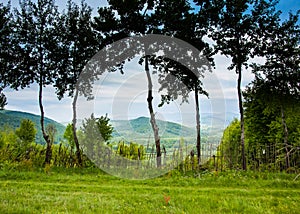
<point x="223" y="99"/>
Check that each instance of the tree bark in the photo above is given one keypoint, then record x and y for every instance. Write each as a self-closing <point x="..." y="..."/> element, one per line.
<point x="152" y="115"/>
<point x="74" y="121"/>
<point x="239" y="72"/>
<point x="285" y="140"/>
<point x="45" y="135"/>
<point x="198" y="126"/>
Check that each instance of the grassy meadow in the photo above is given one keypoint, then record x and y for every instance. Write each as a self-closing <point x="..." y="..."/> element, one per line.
<point x="92" y="191"/>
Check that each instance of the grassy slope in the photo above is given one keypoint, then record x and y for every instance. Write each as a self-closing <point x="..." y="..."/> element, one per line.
<point x="84" y="191"/>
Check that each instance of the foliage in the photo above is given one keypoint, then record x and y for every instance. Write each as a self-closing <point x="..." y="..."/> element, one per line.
<point x="51" y="132"/>
<point x="8" y="135"/>
<point x="79" y="46"/>
<point x="26" y="133"/>
<point x="132" y="151"/>
<point x="236" y="27"/>
<point x="3" y="100"/>
<point x="104" y="127"/>
<point x="68" y="135"/>
<point x="265" y="145"/>
<point x="230" y="145"/>
<point x="34" y="25"/>
<point x="97" y="129"/>
<point x="7" y="55"/>
<point x="278" y="78"/>
<point x="265" y="134"/>
<point x="95" y="133"/>
<point x="280" y="72"/>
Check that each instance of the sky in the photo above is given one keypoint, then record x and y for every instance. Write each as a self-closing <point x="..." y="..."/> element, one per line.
<point x="124" y="96"/>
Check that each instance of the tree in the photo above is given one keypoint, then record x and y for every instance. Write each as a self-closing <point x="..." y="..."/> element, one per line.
<point x="234" y="33"/>
<point x="104" y="127"/>
<point x="258" y="117"/>
<point x="96" y="132"/>
<point x="91" y="135"/>
<point x="191" y="26"/>
<point x="68" y="135"/>
<point x="80" y="45"/>
<point x="152" y="114"/>
<point x="280" y="72"/>
<point x="26" y="133"/>
<point x="37" y="51"/>
<point x="131" y="19"/>
<point x="265" y="136"/>
<point x="230" y="144"/>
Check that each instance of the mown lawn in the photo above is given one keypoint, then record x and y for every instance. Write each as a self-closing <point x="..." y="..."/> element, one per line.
<point x="91" y="191"/>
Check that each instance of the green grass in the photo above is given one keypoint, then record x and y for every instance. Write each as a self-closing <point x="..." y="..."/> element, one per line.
<point x="91" y="191"/>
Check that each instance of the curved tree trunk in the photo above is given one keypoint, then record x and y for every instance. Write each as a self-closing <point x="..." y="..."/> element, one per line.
<point x="45" y="135"/>
<point x="152" y="116"/>
<point x="74" y="120"/>
<point x="239" y="72"/>
<point x="198" y="126"/>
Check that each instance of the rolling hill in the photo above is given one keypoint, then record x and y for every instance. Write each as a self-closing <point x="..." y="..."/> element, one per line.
<point x="12" y="119"/>
<point x="141" y="127"/>
<point x="138" y="130"/>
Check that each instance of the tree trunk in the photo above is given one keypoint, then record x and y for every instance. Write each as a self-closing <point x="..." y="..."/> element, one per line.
<point x="152" y="116"/>
<point x="239" y="72"/>
<point x="198" y="125"/>
<point x="74" y="120"/>
<point x="286" y="135"/>
<point x="45" y="135"/>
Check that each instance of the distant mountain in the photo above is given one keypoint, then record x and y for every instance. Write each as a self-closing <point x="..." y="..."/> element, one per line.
<point x="140" y="130"/>
<point x="13" y="119"/>
<point x="142" y="127"/>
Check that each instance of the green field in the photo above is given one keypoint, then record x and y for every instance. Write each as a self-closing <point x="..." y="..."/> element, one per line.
<point x="91" y="191"/>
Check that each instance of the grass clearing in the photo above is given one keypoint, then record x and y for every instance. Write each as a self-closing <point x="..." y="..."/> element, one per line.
<point x="91" y="191"/>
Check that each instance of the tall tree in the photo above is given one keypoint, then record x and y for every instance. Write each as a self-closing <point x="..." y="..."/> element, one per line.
<point x="281" y="71"/>
<point x="129" y="18"/>
<point x="152" y="114"/>
<point x="36" y="50"/>
<point x="178" y="19"/>
<point x="79" y="46"/>
<point x="234" y="33"/>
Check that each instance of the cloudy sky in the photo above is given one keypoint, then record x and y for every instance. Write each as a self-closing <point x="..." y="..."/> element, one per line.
<point x="124" y="96"/>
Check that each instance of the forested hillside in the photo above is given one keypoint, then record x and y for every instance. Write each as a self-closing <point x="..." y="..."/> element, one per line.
<point x="12" y="119"/>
